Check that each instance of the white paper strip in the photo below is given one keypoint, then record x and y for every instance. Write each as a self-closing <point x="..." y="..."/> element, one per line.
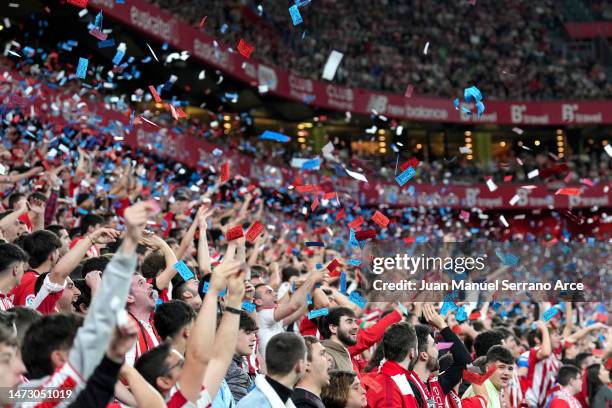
<point x="331" y="66"/>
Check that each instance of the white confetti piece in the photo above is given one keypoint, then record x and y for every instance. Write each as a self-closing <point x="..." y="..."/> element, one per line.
<point x="263" y="89"/>
<point x="426" y="48"/>
<point x="491" y="185"/>
<point x="517" y="130"/>
<point x="533" y="173"/>
<point x="608" y="149"/>
<point x="355" y="175"/>
<point x="465" y="150"/>
<point x="503" y="221"/>
<point x="514" y="199"/>
<point x="83" y="13"/>
<point x="332" y="64"/>
<point x="399" y="130"/>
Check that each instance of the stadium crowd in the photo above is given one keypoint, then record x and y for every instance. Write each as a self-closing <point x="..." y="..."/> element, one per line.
<point x="512" y="47"/>
<point x="120" y="283"/>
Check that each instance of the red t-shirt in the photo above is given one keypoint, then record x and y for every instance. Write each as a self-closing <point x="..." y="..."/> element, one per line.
<point x="24" y="292"/>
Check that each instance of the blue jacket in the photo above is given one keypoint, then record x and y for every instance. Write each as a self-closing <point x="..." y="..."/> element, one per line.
<point x="263" y="396"/>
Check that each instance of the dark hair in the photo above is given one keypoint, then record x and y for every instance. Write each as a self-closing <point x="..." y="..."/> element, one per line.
<point x="152" y="364"/>
<point x="283" y="352"/>
<point x="24" y="318"/>
<point x="97" y="263"/>
<point x="7" y="337"/>
<point x="56" y="228"/>
<point x="398" y="340"/>
<point x="501" y="354"/>
<point x="336" y="394"/>
<point x="247" y="323"/>
<point x="445" y="361"/>
<point x="39" y="245"/>
<point x="13" y="198"/>
<point x="593" y="383"/>
<point x="580" y="357"/>
<point x="288" y="272"/>
<point x="567" y="373"/>
<point x="171" y="317"/>
<point x="153" y="264"/>
<point x="50" y="333"/>
<point x="85" y="296"/>
<point x="36" y="195"/>
<point x="9" y="255"/>
<point x="532" y="335"/>
<point x="506" y="332"/>
<point x="423" y="333"/>
<point x="90" y="220"/>
<point x="485" y="340"/>
<point x="333" y="318"/>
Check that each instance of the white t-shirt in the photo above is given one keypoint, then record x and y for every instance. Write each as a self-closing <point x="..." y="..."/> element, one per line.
<point x="268" y="327"/>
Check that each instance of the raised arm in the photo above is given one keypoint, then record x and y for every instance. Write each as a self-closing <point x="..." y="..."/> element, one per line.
<point x="92" y="338"/>
<point x="225" y="341"/>
<point x="200" y="344"/>
<point x="188" y="237"/>
<point x="204" y="262"/>
<point x="545" y="348"/>
<point x="71" y="260"/>
<point x="298" y="299"/>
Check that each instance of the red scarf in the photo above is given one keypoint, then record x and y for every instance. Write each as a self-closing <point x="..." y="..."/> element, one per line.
<point x="453" y="400"/>
<point x="432" y="398"/>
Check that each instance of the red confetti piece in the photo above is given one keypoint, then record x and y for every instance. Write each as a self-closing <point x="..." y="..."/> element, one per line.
<point x="98" y="34"/>
<point x="244" y="48"/>
<point x="340" y="214"/>
<point x="457" y="330"/>
<point x="568" y="191"/>
<point x="479" y="378"/>
<point x="409" y="240"/>
<point x="308" y="188"/>
<point x="155" y="94"/>
<point x="412" y="162"/>
<point x="474" y="316"/>
<point x="363" y="235"/>
<point x="409" y="90"/>
<point x="181" y="113"/>
<point x="601" y="317"/>
<point x="333" y="265"/>
<point x="254" y="230"/>
<point x="355" y="223"/>
<point x="508" y="178"/>
<point x="203" y="21"/>
<point x="234" y="233"/>
<point x="380" y="219"/>
<point x="225" y="172"/>
<point x="314" y="204"/>
<point x="78" y="3"/>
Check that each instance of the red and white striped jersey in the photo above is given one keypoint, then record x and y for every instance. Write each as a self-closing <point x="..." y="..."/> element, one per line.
<point x="5" y="303"/>
<point x="515" y="389"/>
<point x="176" y="399"/>
<point x="541" y="377"/>
<point x="66" y="382"/>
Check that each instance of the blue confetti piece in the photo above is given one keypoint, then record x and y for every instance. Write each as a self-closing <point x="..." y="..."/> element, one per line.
<point x="403" y="308"/>
<point x="354" y="262"/>
<point x="472" y="94"/>
<point x="106" y="43"/>
<point x="448" y="306"/>
<point x="82" y="211"/>
<point x="82" y="68"/>
<point x="118" y="57"/>
<point x="550" y="313"/>
<point x="461" y="315"/>
<point x="248" y="306"/>
<point x="223" y="28"/>
<point x="480" y="108"/>
<point x="312" y="164"/>
<point x="296" y="17"/>
<point x="405" y="176"/>
<point x="279" y="137"/>
<point x="600" y="308"/>
<point x="534" y="326"/>
<point x="318" y="266"/>
<point x="466" y="110"/>
<point x="308" y="298"/>
<point x="456" y="103"/>
<point x="343" y="283"/>
<point x="98" y="21"/>
<point x="495" y="305"/>
<point x="317" y="313"/>
<point x="183" y="270"/>
<point x="357" y="299"/>
<point x="205" y="290"/>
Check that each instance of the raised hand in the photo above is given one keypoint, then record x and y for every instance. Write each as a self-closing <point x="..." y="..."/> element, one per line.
<point x="136" y="217"/>
<point x="433" y="317"/>
<point x="104" y="236"/>
<point x="222" y="272"/>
